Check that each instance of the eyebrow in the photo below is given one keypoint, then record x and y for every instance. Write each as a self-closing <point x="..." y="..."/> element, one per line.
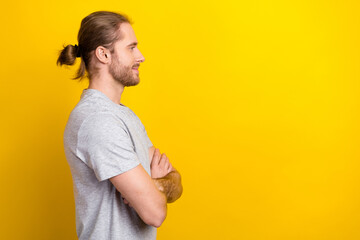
<point x="133" y="44"/>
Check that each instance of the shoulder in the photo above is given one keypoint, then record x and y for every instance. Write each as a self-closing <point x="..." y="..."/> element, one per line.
<point x="136" y="119"/>
<point x="100" y="122"/>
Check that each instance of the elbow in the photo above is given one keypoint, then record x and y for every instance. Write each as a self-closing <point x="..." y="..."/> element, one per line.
<point x="156" y="213"/>
<point x="156" y="218"/>
<point x="177" y="192"/>
<point x="176" y="195"/>
<point x="180" y="191"/>
<point x="157" y="221"/>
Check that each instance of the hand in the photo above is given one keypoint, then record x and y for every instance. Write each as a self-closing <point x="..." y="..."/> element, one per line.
<point x="160" y="165"/>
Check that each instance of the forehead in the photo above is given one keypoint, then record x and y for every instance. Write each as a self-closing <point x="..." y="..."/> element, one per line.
<point x="127" y="34"/>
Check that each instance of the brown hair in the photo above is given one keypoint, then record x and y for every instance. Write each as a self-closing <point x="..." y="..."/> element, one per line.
<point x="97" y="29"/>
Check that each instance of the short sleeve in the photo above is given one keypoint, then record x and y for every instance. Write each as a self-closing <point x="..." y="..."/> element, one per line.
<point x="138" y="121"/>
<point x="105" y="146"/>
<point x="147" y="139"/>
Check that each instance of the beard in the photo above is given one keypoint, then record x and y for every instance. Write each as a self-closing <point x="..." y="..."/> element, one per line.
<point x="123" y="74"/>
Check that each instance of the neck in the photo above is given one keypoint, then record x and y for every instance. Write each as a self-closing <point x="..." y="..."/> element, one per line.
<point x="109" y="87"/>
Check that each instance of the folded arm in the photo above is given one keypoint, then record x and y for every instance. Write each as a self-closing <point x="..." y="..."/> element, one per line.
<point x="139" y="190"/>
<point x="170" y="185"/>
<point x="165" y="177"/>
<point x="149" y="195"/>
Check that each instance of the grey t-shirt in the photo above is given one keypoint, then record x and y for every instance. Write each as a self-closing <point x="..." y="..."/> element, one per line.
<point x="103" y="139"/>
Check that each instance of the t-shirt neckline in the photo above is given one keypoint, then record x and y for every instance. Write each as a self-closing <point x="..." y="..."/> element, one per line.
<point x="103" y="95"/>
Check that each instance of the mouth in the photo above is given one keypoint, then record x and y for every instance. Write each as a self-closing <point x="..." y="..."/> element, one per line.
<point x="136" y="69"/>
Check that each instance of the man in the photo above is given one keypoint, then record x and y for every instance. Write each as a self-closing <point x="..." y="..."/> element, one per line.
<point x="122" y="183"/>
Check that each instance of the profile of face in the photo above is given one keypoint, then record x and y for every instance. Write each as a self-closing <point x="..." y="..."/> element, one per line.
<point x="126" y="58"/>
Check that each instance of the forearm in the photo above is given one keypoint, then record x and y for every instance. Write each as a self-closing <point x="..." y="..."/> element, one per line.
<point x="170" y="185"/>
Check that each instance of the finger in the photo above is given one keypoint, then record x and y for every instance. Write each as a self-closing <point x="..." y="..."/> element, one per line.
<point x="170" y="169"/>
<point x="151" y="153"/>
<point x="168" y="161"/>
<point x="156" y="157"/>
<point x="162" y="160"/>
<point x="166" y="165"/>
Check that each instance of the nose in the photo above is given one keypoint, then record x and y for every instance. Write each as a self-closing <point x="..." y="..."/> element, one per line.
<point x="140" y="58"/>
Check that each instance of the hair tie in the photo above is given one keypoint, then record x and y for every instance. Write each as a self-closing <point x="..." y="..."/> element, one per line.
<point x="77" y="51"/>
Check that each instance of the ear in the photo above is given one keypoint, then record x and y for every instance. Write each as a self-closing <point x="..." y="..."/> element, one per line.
<point x="103" y="54"/>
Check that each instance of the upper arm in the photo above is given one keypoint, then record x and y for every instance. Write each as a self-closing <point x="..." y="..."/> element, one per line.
<point x="137" y="187"/>
<point x="105" y="146"/>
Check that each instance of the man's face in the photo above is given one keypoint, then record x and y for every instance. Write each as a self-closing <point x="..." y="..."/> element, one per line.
<point x="127" y="58"/>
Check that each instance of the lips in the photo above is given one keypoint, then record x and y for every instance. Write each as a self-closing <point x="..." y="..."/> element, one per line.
<point x="136" y="70"/>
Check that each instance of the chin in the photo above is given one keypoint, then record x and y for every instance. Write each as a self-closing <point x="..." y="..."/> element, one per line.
<point x="133" y="83"/>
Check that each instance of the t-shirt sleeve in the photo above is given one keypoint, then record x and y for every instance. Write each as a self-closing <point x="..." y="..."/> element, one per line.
<point x="105" y="146"/>
<point x="148" y="142"/>
<point x="140" y="124"/>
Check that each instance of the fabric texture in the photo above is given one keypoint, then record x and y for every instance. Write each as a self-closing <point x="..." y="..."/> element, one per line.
<point x="103" y="139"/>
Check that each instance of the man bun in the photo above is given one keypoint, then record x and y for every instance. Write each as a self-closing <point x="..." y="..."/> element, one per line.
<point x="68" y="55"/>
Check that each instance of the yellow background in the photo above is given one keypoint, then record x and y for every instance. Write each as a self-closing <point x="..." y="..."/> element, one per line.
<point x="256" y="103"/>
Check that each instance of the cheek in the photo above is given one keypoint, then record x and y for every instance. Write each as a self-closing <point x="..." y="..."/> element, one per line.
<point x="127" y="59"/>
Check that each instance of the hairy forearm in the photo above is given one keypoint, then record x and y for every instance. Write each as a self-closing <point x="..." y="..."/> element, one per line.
<point x="170" y="185"/>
